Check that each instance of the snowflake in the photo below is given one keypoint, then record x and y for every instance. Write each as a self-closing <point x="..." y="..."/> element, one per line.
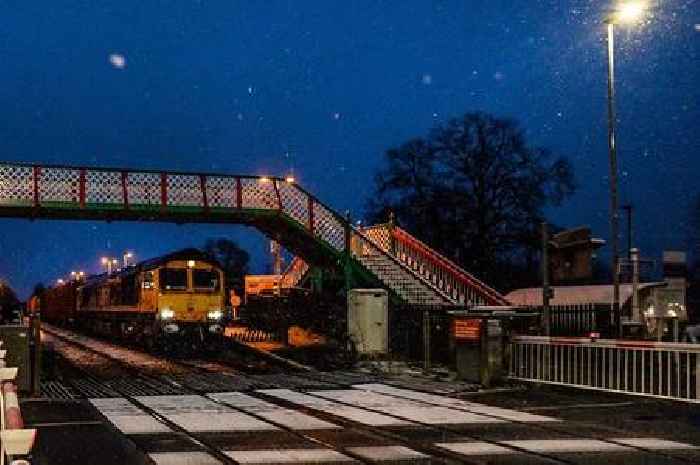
<point x="117" y="60"/>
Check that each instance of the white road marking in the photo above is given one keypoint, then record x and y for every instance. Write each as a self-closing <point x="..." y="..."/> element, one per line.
<point x="183" y="458"/>
<point x="274" y="413"/>
<point x="323" y="405"/>
<point x="563" y="446"/>
<point x="655" y="444"/>
<point x="388" y="453"/>
<point x="197" y="413"/>
<point x="128" y="418"/>
<point x="506" y="414"/>
<point x="305" y="456"/>
<point x="406" y="408"/>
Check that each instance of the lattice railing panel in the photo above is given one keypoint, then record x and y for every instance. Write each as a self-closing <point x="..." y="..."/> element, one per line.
<point x="258" y="193"/>
<point x="380" y="234"/>
<point x="104" y="187"/>
<point x="328" y="227"/>
<point x="144" y="189"/>
<point x="16" y="185"/>
<point x="184" y="190"/>
<point x="295" y="202"/>
<point x="61" y="185"/>
<point x="221" y="191"/>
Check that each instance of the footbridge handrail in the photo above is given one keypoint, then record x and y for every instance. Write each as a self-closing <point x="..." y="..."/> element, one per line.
<point x="453" y="278"/>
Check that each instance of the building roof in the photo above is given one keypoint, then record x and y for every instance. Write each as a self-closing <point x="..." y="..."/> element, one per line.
<point x="575" y="295"/>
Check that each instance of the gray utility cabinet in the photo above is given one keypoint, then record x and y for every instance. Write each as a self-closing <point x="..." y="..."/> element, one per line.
<point x="16" y="341"/>
<point x="368" y="320"/>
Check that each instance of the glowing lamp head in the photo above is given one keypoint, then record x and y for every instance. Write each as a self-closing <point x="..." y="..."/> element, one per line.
<point x="104" y="260"/>
<point x="629" y="12"/>
<point x="191" y="263"/>
<point x="264" y="179"/>
<point x="290" y="179"/>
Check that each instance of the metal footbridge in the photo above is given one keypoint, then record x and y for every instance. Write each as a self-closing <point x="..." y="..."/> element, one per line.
<point x="385" y="254"/>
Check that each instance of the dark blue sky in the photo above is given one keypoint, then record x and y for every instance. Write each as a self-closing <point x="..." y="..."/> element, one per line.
<point x="233" y="86"/>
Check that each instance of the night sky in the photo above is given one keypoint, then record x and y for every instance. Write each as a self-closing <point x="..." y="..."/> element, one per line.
<point x="324" y="88"/>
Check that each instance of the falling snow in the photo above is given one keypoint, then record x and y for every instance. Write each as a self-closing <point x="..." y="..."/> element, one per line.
<point x="117" y="60"/>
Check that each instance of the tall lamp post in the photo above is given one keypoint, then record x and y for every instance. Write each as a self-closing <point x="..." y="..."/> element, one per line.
<point x="624" y="13"/>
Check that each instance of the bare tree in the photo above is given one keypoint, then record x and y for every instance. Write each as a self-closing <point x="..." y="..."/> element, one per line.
<point x="233" y="260"/>
<point x="475" y="190"/>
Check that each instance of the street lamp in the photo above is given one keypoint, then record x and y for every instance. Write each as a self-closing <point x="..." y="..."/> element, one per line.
<point x="627" y="13"/>
<point x="127" y="257"/>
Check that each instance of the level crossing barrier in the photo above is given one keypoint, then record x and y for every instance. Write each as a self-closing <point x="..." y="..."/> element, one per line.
<point x="666" y="370"/>
<point x="15" y="440"/>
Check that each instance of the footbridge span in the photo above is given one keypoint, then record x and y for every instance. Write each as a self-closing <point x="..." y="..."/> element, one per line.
<point x="384" y="254"/>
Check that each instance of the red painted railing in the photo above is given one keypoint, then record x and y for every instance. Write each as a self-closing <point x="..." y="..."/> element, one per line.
<point x="445" y="274"/>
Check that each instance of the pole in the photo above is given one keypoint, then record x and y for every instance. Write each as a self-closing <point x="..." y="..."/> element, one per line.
<point x="426" y="341"/>
<point x="628" y="209"/>
<point x="615" y="316"/>
<point x="545" y="279"/>
<point x="636" y="313"/>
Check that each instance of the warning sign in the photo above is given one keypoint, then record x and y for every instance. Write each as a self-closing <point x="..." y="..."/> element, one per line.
<point x="466" y="329"/>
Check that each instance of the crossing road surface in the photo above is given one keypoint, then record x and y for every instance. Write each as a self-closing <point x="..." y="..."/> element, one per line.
<point x="369" y="423"/>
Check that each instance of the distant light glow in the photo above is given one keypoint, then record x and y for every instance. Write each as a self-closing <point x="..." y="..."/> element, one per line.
<point x="191" y="263"/>
<point x="290" y="179"/>
<point x="630" y="12"/>
<point x="264" y="179"/>
<point x="117" y="60"/>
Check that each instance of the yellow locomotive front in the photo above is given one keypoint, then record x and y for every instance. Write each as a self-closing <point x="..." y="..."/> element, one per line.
<point x="179" y="297"/>
<point x="188" y="297"/>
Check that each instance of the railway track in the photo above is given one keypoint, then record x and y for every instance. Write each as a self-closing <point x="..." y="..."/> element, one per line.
<point x="424" y="427"/>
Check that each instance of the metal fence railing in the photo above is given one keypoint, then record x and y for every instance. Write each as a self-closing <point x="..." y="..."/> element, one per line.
<point x="420" y="333"/>
<point x="577" y="320"/>
<point x="654" y="369"/>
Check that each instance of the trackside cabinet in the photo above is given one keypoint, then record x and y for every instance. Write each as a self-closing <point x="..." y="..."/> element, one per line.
<point x="478" y="344"/>
<point x="368" y="320"/>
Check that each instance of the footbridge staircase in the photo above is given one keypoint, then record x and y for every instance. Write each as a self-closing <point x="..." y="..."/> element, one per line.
<point x="388" y="255"/>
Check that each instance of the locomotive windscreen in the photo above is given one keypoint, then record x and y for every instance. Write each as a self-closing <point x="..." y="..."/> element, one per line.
<point x="205" y="280"/>
<point x="173" y="279"/>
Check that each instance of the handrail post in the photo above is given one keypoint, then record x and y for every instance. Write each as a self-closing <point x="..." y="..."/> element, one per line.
<point x="239" y="193"/>
<point x="36" y="173"/>
<point x="81" y="194"/>
<point x="348" y="233"/>
<point x="163" y="192"/>
<point x="125" y="189"/>
<point x="203" y="185"/>
<point x="311" y="215"/>
<point x="392" y="238"/>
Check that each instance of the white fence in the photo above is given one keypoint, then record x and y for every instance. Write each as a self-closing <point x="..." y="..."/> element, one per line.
<point x="654" y="369"/>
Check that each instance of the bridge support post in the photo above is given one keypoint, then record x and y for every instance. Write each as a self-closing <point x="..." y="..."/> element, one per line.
<point x="392" y="239"/>
<point x="347" y="265"/>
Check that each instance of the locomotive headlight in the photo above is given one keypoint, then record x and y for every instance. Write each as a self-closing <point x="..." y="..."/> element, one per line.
<point x="167" y="314"/>
<point x="215" y="314"/>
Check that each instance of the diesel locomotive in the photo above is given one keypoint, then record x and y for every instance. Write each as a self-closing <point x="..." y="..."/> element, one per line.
<point x="179" y="297"/>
